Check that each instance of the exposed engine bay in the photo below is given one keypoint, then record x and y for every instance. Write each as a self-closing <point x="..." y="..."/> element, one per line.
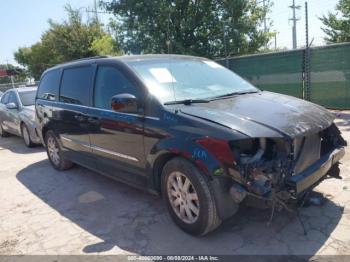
<point x="278" y="169"/>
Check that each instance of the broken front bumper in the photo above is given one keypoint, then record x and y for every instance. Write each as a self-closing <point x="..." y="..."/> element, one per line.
<point x="314" y="173"/>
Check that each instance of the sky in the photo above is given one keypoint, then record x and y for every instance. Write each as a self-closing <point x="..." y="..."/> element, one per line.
<point x="281" y="13"/>
<point x="23" y="21"/>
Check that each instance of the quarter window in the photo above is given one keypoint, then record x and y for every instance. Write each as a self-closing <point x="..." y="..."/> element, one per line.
<point x="48" y="88"/>
<point x="5" y="98"/>
<point x="110" y="82"/>
<point x="75" y="85"/>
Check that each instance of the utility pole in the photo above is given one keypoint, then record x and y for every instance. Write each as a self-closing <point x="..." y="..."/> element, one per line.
<point x="265" y="27"/>
<point x="95" y="9"/>
<point x="294" y="19"/>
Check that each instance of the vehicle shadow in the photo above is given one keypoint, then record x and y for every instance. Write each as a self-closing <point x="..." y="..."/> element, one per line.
<point x="16" y="145"/>
<point x="137" y="222"/>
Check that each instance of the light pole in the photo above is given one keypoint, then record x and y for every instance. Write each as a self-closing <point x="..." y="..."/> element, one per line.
<point x="294" y="19"/>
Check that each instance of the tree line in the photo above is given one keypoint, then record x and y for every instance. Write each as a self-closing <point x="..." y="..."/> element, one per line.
<point x="209" y="28"/>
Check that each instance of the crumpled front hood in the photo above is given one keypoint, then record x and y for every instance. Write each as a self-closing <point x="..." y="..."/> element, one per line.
<point x="264" y="114"/>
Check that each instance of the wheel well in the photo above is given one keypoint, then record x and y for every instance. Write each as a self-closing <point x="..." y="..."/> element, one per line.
<point x="158" y="168"/>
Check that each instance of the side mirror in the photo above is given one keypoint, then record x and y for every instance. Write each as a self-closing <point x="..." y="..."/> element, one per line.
<point x="11" y="106"/>
<point x="124" y="103"/>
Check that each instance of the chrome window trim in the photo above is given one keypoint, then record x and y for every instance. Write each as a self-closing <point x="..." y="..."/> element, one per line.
<point x="75" y="141"/>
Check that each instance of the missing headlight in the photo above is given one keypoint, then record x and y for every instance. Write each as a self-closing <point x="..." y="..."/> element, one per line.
<point x="262" y="162"/>
<point x="249" y="151"/>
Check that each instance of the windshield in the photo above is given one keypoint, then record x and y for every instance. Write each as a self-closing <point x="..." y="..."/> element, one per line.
<point x="181" y="79"/>
<point x="27" y="97"/>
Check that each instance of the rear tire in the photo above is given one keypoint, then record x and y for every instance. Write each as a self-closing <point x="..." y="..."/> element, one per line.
<point x="189" y="198"/>
<point x="54" y="152"/>
<point x="26" y="136"/>
<point x="3" y="133"/>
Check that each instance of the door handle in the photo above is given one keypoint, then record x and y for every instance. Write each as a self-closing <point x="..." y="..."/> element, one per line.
<point x="93" y="120"/>
<point x="80" y="118"/>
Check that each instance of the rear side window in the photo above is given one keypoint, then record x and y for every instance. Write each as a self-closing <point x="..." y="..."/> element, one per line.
<point x="27" y="97"/>
<point x="48" y="88"/>
<point x="75" y="85"/>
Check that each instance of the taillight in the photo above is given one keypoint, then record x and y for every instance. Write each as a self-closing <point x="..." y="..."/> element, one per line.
<point x="219" y="148"/>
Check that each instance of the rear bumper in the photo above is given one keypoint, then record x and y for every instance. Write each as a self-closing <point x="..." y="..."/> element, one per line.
<point x="314" y="173"/>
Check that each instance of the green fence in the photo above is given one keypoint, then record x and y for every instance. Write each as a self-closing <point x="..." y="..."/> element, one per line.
<point x="330" y="76"/>
<point x="283" y="72"/>
<point x="277" y="72"/>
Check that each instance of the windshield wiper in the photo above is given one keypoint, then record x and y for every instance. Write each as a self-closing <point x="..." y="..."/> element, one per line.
<point x="193" y="101"/>
<point x="233" y="94"/>
<point x="187" y="101"/>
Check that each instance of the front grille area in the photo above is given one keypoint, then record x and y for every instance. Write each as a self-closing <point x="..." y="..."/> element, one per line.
<point x="307" y="150"/>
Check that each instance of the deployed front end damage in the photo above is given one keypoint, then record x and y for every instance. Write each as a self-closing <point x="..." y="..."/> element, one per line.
<point x="276" y="171"/>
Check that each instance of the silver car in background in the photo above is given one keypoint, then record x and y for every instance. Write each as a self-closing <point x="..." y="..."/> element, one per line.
<point x="17" y="114"/>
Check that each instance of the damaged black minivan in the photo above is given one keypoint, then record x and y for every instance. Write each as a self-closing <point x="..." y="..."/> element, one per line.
<point x="188" y="129"/>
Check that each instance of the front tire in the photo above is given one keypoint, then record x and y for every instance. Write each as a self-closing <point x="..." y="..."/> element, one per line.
<point x="26" y="136"/>
<point x="54" y="153"/>
<point x="189" y="198"/>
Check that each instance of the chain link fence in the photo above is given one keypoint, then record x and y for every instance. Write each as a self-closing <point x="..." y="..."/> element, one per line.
<point x="4" y="87"/>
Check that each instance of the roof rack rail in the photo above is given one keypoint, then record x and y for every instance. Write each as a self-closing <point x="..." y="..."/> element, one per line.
<point x="84" y="59"/>
<point x="91" y="57"/>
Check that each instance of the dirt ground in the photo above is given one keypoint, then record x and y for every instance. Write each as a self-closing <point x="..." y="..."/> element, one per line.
<point x="80" y="212"/>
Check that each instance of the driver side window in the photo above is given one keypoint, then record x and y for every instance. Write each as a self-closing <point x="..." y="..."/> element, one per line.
<point x="13" y="98"/>
<point x="110" y="82"/>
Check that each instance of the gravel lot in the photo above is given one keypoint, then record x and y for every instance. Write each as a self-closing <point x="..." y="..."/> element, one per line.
<point x="80" y="212"/>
